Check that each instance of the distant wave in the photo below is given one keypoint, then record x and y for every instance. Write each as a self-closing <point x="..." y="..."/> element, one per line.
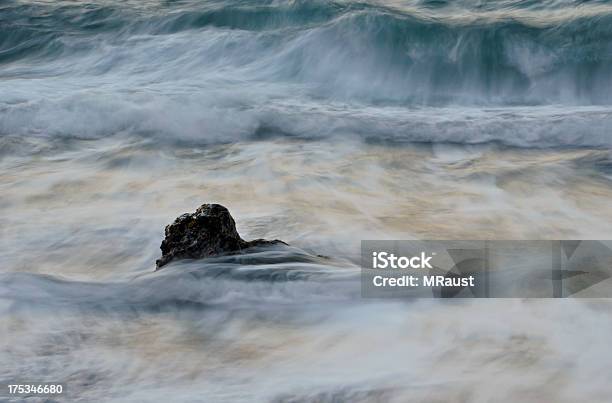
<point x="198" y="122"/>
<point x="220" y="70"/>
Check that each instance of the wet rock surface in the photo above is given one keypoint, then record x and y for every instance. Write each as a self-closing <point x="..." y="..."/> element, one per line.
<point x="210" y="231"/>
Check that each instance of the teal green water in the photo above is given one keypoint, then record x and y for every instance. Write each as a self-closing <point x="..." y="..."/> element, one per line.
<point x="320" y="123"/>
<point x="225" y="70"/>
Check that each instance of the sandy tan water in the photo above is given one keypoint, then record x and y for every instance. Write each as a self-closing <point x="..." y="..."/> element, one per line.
<point x="96" y="214"/>
<point x="321" y="123"/>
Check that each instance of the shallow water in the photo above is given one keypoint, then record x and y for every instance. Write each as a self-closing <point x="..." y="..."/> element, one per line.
<point x="81" y="301"/>
<point x="319" y="123"/>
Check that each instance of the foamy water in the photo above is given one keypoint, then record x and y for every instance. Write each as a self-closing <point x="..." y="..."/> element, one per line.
<point x="320" y="124"/>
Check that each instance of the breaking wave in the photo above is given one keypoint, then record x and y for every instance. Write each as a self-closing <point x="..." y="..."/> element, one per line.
<point x="223" y="71"/>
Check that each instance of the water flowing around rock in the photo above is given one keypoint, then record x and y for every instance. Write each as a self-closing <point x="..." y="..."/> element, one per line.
<point x="210" y="231"/>
<point x="319" y="122"/>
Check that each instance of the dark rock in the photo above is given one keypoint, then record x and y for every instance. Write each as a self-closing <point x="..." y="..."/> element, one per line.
<point x="210" y="231"/>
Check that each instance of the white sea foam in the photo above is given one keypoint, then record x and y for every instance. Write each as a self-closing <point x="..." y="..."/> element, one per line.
<point x="318" y="123"/>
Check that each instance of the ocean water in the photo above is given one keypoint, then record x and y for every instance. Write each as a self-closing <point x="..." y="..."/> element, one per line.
<point x="319" y="123"/>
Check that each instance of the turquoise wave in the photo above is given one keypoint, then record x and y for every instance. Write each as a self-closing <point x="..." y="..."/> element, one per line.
<point x="513" y="52"/>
